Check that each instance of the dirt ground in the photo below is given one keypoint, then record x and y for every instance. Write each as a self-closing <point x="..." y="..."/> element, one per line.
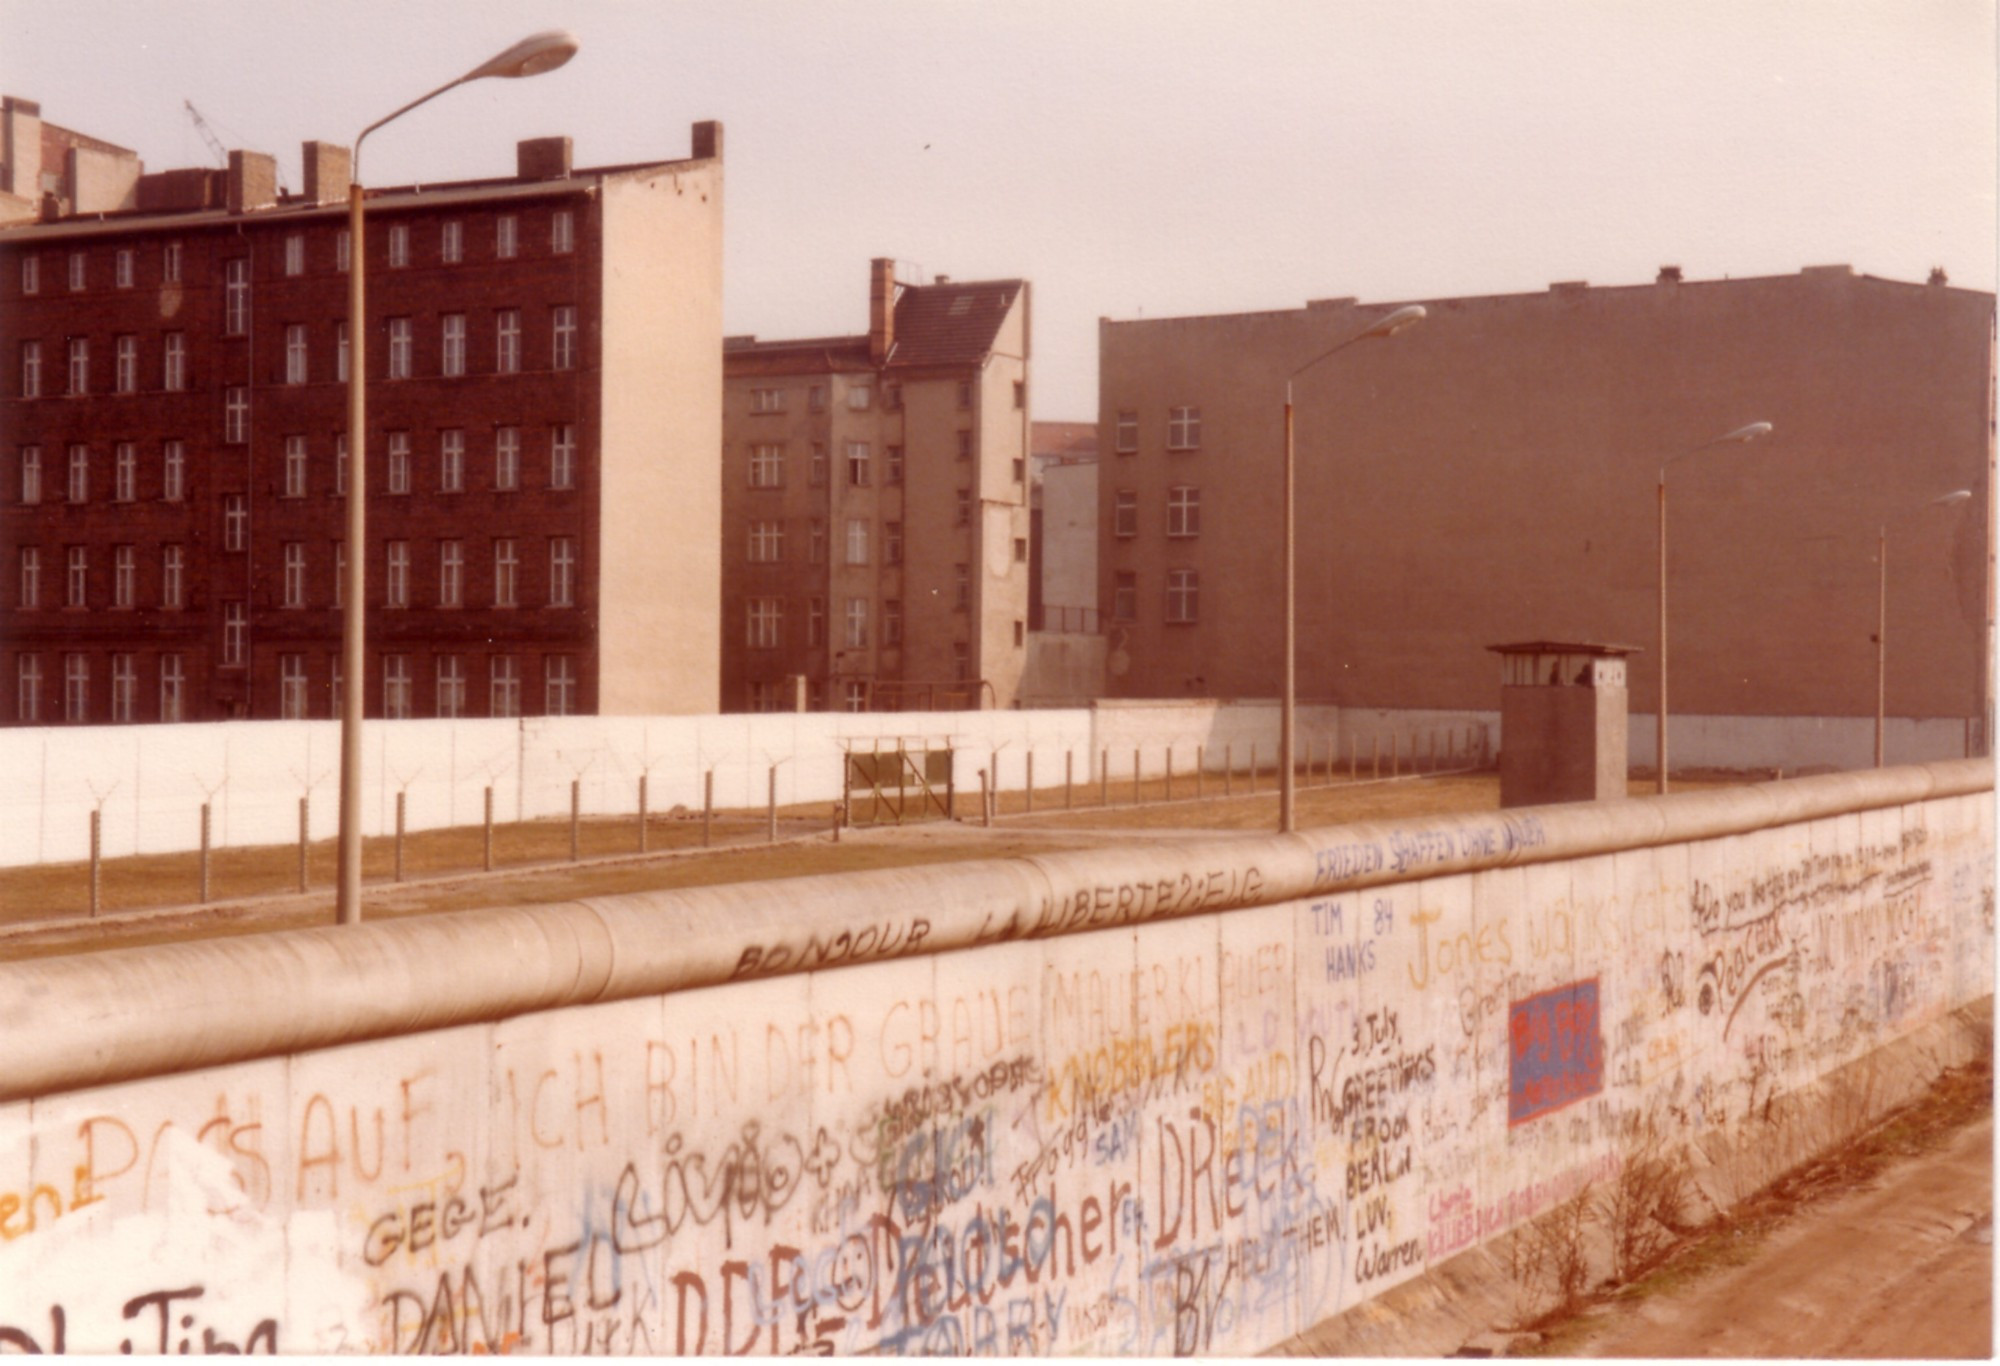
<point x="1882" y="1249"/>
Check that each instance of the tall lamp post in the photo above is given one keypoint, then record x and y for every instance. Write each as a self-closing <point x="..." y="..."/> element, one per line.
<point x="529" y="57"/>
<point x="1747" y="433"/>
<point x="1288" y="821"/>
<point x="1882" y="614"/>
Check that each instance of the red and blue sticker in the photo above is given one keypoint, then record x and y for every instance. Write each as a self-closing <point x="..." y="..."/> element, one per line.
<point x="1555" y="1053"/>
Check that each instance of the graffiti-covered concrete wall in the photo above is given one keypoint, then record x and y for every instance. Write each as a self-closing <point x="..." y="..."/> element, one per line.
<point x="1135" y="1100"/>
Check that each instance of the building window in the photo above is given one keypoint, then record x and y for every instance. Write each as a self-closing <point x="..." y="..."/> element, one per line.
<point x="235" y="522"/>
<point x="1020" y="469"/>
<point x="964" y="444"/>
<point x="1183" y="429"/>
<point x="857" y="623"/>
<point x="767" y="400"/>
<point x="892" y="543"/>
<point x="507" y="329"/>
<point x="962" y="515"/>
<point x="763" y="695"/>
<point x="396" y="687"/>
<point x="767" y="466"/>
<point x="295" y="253"/>
<point x="451" y="573"/>
<point x="503" y="694"/>
<point x="295" y="353"/>
<point x="559" y="685"/>
<point x="1182" y="587"/>
<point x="399" y="348"/>
<point x="506" y="567"/>
<point x="173" y="471"/>
<point x="815" y="622"/>
<point x="31" y="474"/>
<point x="451" y="460"/>
<point x="236" y="415"/>
<point x="292" y="687"/>
<point x="816" y="398"/>
<point x="767" y="541"/>
<point x="124" y="472"/>
<point x="235" y="623"/>
<point x="961" y="661"/>
<point x="452" y="244"/>
<point x="1020" y="550"/>
<point x="399" y="462"/>
<point x="857" y="463"/>
<point x="76" y="260"/>
<point x="79" y="365"/>
<point x="765" y="615"/>
<point x="343" y="250"/>
<point x="816" y="541"/>
<point x="965" y="393"/>
<point x="173" y="672"/>
<point x="858" y="397"/>
<point x="506" y="236"/>
<point x="816" y="470"/>
<point x="333" y="688"/>
<point x="79" y="474"/>
<point x="295" y="574"/>
<point x="1125" y="513"/>
<point x="31" y="369"/>
<point x="124" y="576"/>
<point x="893" y="459"/>
<point x="340" y="350"/>
<point x="961" y="587"/>
<point x="563" y="324"/>
<point x="124" y="687"/>
<point x="562" y="232"/>
<point x="31" y="273"/>
<point x="854" y="694"/>
<point x="30" y="595"/>
<point x="1020" y="393"/>
<point x="1183" y="511"/>
<point x="454" y="344"/>
<point x="77" y="591"/>
<point x="1125" y="596"/>
<point x="174" y="363"/>
<point x="892" y="621"/>
<point x="396" y="585"/>
<point x="399" y="246"/>
<point x="450" y="685"/>
<point x="892" y="397"/>
<point x="507" y="458"/>
<point x="173" y="584"/>
<point x="28" y="688"/>
<point x="170" y="263"/>
<point x="340" y="464"/>
<point x="236" y="296"/>
<point x="857" y="540"/>
<point x="76" y="679"/>
<point x="562" y="571"/>
<point x="562" y="456"/>
<point x="125" y="365"/>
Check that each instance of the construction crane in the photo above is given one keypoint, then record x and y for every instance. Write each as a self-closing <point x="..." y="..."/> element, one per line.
<point x="207" y="131"/>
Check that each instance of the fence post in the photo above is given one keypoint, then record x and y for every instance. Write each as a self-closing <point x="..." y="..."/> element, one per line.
<point x="1135" y="776"/>
<point x="489" y="828"/>
<point x="1170" y="772"/>
<point x="838" y="812"/>
<point x="985" y="800"/>
<point x="204" y="854"/>
<point x="771" y="806"/>
<point x="1395" y="754"/>
<point x="642" y="813"/>
<point x="707" y="804"/>
<point x="1069" y="778"/>
<point x="1104" y="778"/>
<point x="1377" y="756"/>
<point x="951" y="787"/>
<point x="399" y="835"/>
<point x="575" y="819"/>
<point x="1229" y="769"/>
<point x="305" y="827"/>
<point x="1353" y="758"/>
<point x="1200" y="768"/>
<point x="96" y="859"/>
<point x="1029" y="794"/>
<point x="1253" y="768"/>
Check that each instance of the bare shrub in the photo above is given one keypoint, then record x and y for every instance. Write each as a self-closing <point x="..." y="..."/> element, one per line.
<point x="1548" y="1260"/>
<point x="1644" y="1208"/>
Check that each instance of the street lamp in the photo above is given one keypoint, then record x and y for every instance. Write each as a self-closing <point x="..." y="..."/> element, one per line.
<point x="1747" y="433"/>
<point x="1882" y="612"/>
<point x="1387" y="325"/>
<point x="529" y="57"/>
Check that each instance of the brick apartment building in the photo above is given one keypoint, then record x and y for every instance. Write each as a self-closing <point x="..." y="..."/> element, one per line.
<point x="544" y="373"/>
<point x="1489" y="476"/>
<point x="875" y="506"/>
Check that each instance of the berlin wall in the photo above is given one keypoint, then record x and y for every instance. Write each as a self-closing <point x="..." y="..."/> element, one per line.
<point x="1143" y="1100"/>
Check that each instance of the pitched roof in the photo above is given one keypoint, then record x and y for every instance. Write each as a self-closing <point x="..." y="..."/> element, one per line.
<point x="950" y="324"/>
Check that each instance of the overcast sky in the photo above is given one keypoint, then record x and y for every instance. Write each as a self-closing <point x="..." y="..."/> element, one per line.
<point x="1146" y="158"/>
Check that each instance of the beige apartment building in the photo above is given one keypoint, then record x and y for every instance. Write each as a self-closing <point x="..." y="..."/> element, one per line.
<point x="875" y="505"/>
<point x="1490" y="475"/>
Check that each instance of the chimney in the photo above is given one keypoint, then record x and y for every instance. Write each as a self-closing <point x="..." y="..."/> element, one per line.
<point x="1669" y="275"/>
<point x="881" y="308"/>
<point x="253" y="181"/>
<point x="708" y="141"/>
<point x="329" y="171"/>
<point x="1938" y="277"/>
<point x="20" y="147"/>
<point x="542" y="159"/>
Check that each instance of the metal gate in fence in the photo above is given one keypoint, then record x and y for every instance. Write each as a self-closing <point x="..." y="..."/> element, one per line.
<point x="898" y="784"/>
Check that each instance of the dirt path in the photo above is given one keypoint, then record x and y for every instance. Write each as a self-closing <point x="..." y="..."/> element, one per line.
<point x="1899" y="1266"/>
